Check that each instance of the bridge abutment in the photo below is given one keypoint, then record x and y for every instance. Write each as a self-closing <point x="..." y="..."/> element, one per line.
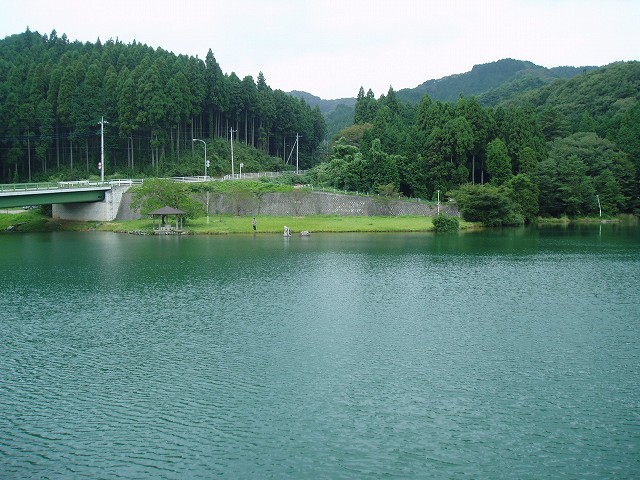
<point x="104" y="211"/>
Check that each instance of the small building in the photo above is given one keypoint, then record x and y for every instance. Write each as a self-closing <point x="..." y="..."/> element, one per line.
<point x="164" y="228"/>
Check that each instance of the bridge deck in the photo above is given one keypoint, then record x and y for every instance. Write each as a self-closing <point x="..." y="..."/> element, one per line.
<point x="20" y="195"/>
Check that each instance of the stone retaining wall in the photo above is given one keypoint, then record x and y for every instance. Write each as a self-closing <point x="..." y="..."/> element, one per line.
<point x="304" y="202"/>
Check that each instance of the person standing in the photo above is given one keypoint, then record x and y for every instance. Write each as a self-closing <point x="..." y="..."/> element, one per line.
<point x="254" y="224"/>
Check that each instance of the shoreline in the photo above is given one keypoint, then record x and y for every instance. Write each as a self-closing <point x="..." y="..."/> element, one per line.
<point x="34" y="221"/>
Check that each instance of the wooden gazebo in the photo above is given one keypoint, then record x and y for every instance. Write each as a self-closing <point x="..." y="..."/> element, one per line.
<point x="163" y="227"/>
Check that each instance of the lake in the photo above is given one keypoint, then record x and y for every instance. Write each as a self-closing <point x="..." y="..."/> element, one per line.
<point x="496" y="354"/>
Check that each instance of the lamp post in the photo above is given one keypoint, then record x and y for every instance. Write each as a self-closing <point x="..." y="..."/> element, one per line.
<point x="102" y="122"/>
<point x="206" y="163"/>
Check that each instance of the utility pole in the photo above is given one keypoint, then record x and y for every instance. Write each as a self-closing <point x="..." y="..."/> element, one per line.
<point x="102" y="122"/>
<point x="297" y="137"/>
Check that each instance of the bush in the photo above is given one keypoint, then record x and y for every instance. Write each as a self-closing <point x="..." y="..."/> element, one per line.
<point x="487" y="204"/>
<point x="445" y="223"/>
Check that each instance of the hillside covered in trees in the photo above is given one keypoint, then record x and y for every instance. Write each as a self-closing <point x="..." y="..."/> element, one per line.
<point x="533" y="141"/>
<point x="53" y="94"/>
<point x="555" y="150"/>
<point x="491" y="83"/>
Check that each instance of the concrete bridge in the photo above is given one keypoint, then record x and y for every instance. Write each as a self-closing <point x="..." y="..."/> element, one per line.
<point x="85" y="200"/>
<point x="79" y="200"/>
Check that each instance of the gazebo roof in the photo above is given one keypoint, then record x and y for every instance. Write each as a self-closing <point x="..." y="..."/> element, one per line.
<point x="167" y="211"/>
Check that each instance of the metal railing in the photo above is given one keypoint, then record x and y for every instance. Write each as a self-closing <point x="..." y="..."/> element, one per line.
<point x="23" y="187"/>
<point x="74" y="184"/>
<point x="252" y="175"/>
<point x="126" y="181"/>
<point x="67" y="185"/>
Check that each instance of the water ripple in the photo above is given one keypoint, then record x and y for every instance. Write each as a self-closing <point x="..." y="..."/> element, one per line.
<point x="344" y="357"/>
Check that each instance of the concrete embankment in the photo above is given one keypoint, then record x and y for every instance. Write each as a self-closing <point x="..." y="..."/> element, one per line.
<point x="117" y="205"/>
<point x="304" y="202"/>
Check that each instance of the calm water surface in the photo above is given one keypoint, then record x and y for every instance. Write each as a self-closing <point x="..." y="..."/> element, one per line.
<point x="507" y="354"/>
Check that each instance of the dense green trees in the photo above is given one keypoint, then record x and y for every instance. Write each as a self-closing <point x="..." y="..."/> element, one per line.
<point x="53" y="94"/>
<point x="552" y="151"/>
<point x="498" y="162"/>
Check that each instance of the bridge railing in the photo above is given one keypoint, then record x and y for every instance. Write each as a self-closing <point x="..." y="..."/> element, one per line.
<point x="21" y="187"/>
<point x="75" y="184"/>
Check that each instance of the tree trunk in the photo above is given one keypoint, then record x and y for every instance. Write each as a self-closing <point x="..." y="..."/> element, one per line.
<point x="57" y="145"/>
<point x="473" y="169"/>
<point x="29" y="154"/>
<point x="246" y="130"/>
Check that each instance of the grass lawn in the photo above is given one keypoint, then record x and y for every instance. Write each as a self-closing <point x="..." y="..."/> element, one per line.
<point x="225" y="224"/>
<point x="315" y="223"/>
<point x="33" y="220"/>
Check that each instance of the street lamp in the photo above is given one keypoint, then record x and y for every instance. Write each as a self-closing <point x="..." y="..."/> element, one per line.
<point x="102" y="122"/>
<point x="206" y="163"/>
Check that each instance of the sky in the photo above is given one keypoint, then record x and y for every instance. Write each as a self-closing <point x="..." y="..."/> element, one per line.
<point x="331" y="48"/>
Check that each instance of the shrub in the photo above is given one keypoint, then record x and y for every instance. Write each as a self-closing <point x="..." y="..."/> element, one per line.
<point x="445" y="223"/>
<point x="487" y="204"/>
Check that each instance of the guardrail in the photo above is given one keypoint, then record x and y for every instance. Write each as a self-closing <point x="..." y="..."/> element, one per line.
<point x="21" y="187"/>
<point x="126" y="181"/>
<point x="250" y="175"/>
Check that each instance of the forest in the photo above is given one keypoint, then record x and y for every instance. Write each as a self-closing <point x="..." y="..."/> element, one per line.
<point x="569" y="147"/>
<point x="54" y="93"/>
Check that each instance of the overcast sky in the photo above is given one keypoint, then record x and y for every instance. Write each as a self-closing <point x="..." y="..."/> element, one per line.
<point x="332" y="47"/>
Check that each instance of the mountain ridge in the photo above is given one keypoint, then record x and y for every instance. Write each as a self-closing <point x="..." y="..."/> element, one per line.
<point x="493" y="75"/>
<point x="492" y="83"/>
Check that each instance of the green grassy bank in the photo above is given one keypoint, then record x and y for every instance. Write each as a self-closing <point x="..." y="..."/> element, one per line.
<point x="35" y="221"/>
<point x="19" y="220"/>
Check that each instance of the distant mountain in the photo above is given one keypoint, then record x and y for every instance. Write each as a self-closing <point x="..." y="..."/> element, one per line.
<point x="492" y="83"/>
<point x="326" y="106"/>
<point x="529" y="80"/>
<point x="338" y="113"/>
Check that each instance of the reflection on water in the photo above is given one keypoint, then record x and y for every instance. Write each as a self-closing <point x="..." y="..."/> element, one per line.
<point x="490" y="354"/>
